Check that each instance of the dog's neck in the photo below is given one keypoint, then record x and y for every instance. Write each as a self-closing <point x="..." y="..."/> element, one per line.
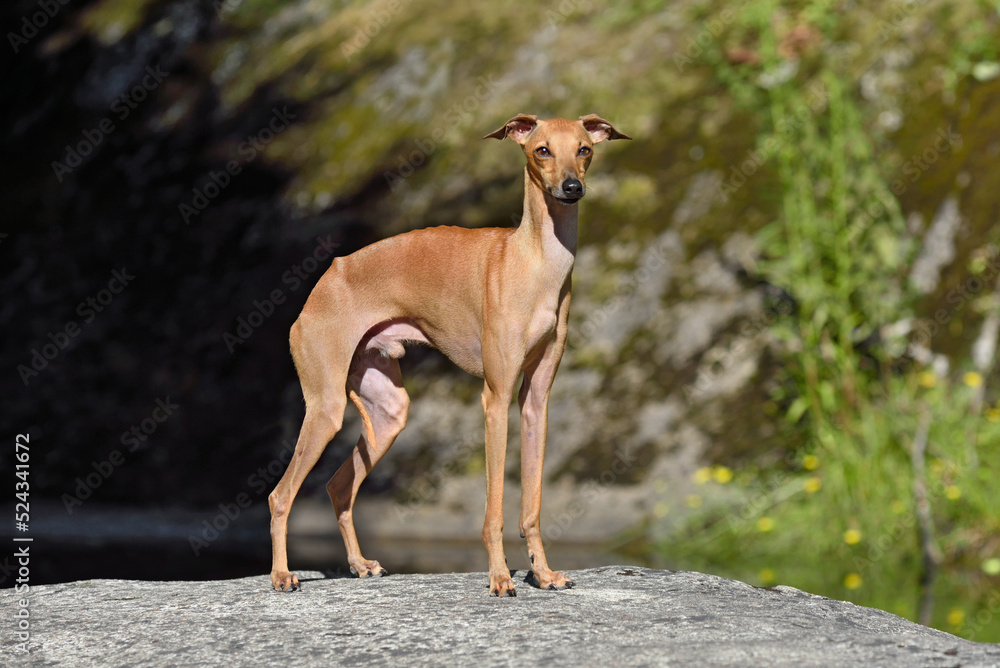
<point x="548" y="225"/>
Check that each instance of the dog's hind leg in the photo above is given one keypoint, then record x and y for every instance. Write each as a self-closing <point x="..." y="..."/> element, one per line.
<point x="376" y="387"/>
<point x="322" y="365"/>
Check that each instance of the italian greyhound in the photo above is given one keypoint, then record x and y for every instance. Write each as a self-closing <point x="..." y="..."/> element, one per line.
<point x="494" y="300"/>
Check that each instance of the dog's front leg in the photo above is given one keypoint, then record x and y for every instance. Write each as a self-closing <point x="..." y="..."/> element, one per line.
<point x="497" y="394"/>
<point x="496" y="401"/>
<point x="534" y="402"/>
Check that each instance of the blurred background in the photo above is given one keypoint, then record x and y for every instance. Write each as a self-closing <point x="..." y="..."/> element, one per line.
<point x="781" y="364"/>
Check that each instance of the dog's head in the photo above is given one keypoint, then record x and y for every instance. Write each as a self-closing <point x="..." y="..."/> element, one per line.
<point x="558" y="150"/>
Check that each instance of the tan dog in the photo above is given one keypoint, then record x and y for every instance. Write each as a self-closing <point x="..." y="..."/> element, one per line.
<point x="495" y="301"/>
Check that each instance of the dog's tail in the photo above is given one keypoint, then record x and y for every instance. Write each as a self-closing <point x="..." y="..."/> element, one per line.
<point x="369" y="428"/>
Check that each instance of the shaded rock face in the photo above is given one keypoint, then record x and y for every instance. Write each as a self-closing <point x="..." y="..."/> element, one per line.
<point x="81" y="391"/>
<point x="615" y="614"/>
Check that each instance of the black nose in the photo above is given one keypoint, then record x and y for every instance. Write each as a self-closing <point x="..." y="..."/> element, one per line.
<point x="572" y="188"/>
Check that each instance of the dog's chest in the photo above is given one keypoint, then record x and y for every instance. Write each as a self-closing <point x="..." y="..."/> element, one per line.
<point x="543" y="322"/>
<point x="549" y="279"/>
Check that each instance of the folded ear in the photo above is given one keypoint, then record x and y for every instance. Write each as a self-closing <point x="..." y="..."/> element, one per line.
<point x="517" y="128"/>
<point x="599" y="129"/>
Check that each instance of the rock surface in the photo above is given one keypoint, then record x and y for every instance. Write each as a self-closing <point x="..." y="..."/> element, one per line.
<point x="615" y="615"/>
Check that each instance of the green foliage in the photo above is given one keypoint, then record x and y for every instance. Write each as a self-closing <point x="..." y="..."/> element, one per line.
<point x="838" y="516"/>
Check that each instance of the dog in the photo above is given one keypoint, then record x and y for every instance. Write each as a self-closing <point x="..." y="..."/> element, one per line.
<point x="495" y="301"/>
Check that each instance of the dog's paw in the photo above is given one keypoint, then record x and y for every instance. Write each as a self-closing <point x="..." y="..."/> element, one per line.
<point x="368" y="569"/>
<point x="551" y="580"/>
<point x="285" y="581"/>
<point x="502" y="586"/>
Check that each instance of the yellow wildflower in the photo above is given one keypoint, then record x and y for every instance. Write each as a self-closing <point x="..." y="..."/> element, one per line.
<point x="852" y="581"/>
<point x="812" y="485"/>
<point x="952" y="492"/>
<point x="702" y="475"/>
<point x="810" y="462"/>
<point x="852" y="536"/>
<point x="972" y="379"/>
<point x="722" y="474"/>
<point x="927" y="379"/>
<point x="956" y="616"/>
<point x="766" y="575"/>
<point x="765" y="524"/>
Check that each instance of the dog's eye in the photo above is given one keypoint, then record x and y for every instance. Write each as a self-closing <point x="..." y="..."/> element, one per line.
<point x="583" y="152"/>
<point x="542" y="151"/>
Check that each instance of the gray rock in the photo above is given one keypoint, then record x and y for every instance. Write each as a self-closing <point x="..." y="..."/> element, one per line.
<point x="615" y="615"/>
<point x="938" y="249"/>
